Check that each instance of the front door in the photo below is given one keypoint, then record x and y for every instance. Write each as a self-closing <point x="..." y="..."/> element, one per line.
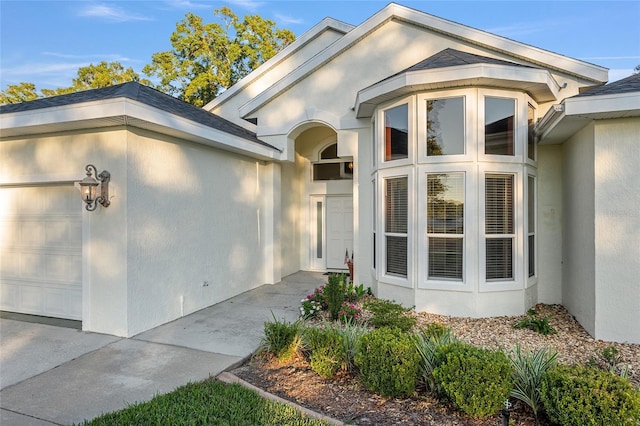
<point x="339" y="230"/>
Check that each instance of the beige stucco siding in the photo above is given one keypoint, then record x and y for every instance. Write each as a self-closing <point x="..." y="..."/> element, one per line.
<point x="578" y="290"/>
<point x="617" y="236"/>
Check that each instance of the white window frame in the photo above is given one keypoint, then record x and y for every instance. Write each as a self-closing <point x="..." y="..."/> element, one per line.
<point x="316" y="263"/>
<point x="470" y="100"/>
<point x="519" y="130"/>
<point x="517" y="282"/>
<point x="381" y="233"/>
<point x="531" y="280"/>
<point x="411" y="135"/>
<point x="337" y="160"/>
<point x="375" y="240"/>
<point x="470" y="255"/>
<point x="529" y="161"/>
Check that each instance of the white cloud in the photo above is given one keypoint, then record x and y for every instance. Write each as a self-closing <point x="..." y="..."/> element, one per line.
<point x="250" y="5"/>
<point x="284" y="19"/>
<point x="109" y="57"/>
<point x="111" y="13"/>
<point x="187" y="4"/>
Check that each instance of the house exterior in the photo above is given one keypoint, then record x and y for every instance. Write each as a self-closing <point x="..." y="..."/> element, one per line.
<point x="467" y="174"/>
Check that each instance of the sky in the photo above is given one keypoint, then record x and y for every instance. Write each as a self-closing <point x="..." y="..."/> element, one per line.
<point x="45" y="42"/>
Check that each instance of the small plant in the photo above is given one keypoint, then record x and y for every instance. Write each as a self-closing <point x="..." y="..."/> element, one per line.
<point x="281" y="338"/>
<point x="388" y="362"/>
<point x="309" y="308"/>
<point x="528" y="370"/>
<point x="326" y="350"/>
<point x="428" y="341"/>
<point x="389" y="314"/>
<point x="477" y="381"/>
<point x="350" y="334"/>
<point x="334" y="293"/>
<point x="349" y="313"/>
<point x="533" y="322"/>
<point x="354" y="292"/>
<point x="577" y="395"/>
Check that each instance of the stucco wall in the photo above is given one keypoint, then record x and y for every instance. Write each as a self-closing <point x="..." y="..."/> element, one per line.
<point x="578" y="290"/>
<point x="549" y="269"/>
<point x="617" y="235"/>
<point x="62" y="158"/>
<point x="194" y="216"/>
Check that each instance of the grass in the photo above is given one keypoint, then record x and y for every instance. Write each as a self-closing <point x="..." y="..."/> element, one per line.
<point x="210" y="402"/>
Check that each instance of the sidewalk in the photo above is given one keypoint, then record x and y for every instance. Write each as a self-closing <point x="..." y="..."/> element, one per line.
<point x="54" y="376"/>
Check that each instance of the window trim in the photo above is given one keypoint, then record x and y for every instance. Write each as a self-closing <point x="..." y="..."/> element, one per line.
<point x="470" y="100"/>
<point x="517" y="282"/>
<point x="382" y="234"/>
<point x="470" y="255"/>
<point x="411" y="134"/>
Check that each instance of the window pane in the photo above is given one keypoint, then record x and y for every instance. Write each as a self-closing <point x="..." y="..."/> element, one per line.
<point x="329" y="152"/>
<point x="396" y="130"/>
<point x="445" y="203"/>
<point x="445" y="258"/>
<point x="332" y="171"/>
<point x="445" y="126"/>
<point x="397" y="256"/>
<point x="396" y="205"/>
<point x="319" y="230"/>
<point x="532" y="255"/>
<point x="531" y="143"/>
<point x="498" y="125"/>
<point x="531" y="204"/>
<point x="499" y="204"/>
<point x="499" y="258"/>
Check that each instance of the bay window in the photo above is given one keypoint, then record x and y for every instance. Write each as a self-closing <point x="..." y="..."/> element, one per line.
<point x="396" y="133"/>
<point x="396" y="225"/>
<point x="499" y="227"/>
<point x="499" y="119"/>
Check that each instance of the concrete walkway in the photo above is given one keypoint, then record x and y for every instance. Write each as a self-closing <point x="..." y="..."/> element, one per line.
<point x="58" y="376"/>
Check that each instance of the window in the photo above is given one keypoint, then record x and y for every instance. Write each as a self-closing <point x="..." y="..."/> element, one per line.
<point x="445" y="126"/>
<point x="445" y="225"/>
<point x="319" y="230"/>
<point x="331" y="167"/>
<point x="499" y="226"/>
<point x="375" y="220"/>
<point x="531" y="224"/>
<point x="396" y="133"/>
<point x="531" y="142"/>
<point x="396" y="225"/>
<point x="499" y="117"/>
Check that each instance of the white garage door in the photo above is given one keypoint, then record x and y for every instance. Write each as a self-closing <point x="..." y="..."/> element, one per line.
<point x="41" y="251"/>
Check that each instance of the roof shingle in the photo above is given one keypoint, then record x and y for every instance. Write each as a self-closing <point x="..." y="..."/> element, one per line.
<point x="626" y="85"/>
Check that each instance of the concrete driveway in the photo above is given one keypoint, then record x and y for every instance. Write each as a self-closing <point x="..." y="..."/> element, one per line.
<point x="56" y="376"/>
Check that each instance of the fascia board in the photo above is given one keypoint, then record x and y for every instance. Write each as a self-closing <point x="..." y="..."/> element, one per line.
<point x="298" y="44"/>
<point x="525" y="52"/>
<point x="589" y="105"/>
<point x="88" y="111"/>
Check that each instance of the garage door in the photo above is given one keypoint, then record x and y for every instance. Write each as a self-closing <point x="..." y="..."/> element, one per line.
<point x="41" y="251"/>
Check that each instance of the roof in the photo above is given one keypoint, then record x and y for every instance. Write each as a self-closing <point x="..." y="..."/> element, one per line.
<point x="626" y="85"/>
<point x="452" y="57"/>
<point x="146" y="95"/>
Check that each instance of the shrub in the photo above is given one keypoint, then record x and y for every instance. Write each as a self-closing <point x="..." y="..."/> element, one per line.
<point x="428" y="341"/>
<point x="350" y="334"/>
<point x="334" y="293"/>
<point x="477" y="381"/>
<point x="281" y="338"/>
<point x="389" y="314"/>
<point x="528" y="370"/>
<point x="349" y="312"/>
<point x="577" y="395"/>
<point x="532" y="322"/>
<point x="326" y="350"/>
<point x="388" y="362"/>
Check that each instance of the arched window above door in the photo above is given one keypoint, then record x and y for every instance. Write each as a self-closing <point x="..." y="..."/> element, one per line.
<point x="331" y="167"/>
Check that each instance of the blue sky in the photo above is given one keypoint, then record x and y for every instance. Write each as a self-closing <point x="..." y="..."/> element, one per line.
<point x="45" y="42"/>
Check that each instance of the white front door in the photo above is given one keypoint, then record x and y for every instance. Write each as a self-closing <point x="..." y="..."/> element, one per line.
<point x="41" y="251"/>
<point x="339" y="230"/>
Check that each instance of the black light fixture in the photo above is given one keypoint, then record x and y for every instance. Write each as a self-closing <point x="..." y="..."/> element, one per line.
<point x="89" y="188"/>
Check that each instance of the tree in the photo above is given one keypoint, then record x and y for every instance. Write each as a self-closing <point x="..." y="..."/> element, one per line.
<point x="208" y="58"/>
<point x="16" y="93"/>
<point x="104" y="74"/>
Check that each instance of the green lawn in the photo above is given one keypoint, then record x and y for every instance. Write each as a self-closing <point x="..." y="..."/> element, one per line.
<point x="207" y="403"/>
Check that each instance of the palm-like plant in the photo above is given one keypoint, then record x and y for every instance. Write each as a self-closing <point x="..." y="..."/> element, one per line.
<point x="528" y="369"/>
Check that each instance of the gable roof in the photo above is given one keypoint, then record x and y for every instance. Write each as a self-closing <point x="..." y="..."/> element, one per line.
<point x="529" y="54"/>
<point x="131" y="104"/>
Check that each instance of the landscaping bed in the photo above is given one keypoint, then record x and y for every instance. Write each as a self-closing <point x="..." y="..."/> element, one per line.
<point x="346" y="398"/>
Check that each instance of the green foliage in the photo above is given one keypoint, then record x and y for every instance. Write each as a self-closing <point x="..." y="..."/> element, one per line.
<point x="477" y="381"/>
<point x="388" y="362"/>
<point x="349" y="313"/>
<point x="207" y="403"/>
<point x="577" y="395"/>
<point x="428" y="341"/>
<point x="207" y="58"/>
<point x="389" y="314"/>
<point x="350" y="334"/>
<point x="334" y="293"/>
<point x="281" y="338"/>
<point x="354" y="292"/>
<point x="326" y="350"/>
<point x="16" y="93"/>
<point x="533" y="322"/>
<point x="528" y="370"/>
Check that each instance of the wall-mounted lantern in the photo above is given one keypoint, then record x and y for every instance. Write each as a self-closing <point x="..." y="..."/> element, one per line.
<point x="89" y="188"/>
